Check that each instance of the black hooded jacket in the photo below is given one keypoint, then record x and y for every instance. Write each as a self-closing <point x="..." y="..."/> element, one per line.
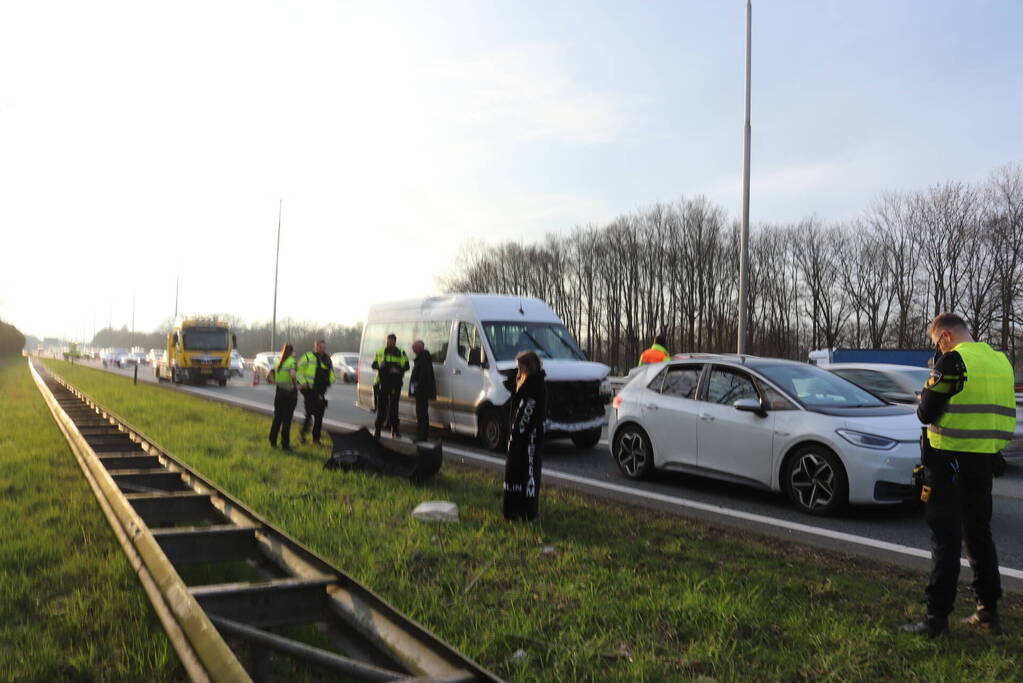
<point x="528" y="408"/>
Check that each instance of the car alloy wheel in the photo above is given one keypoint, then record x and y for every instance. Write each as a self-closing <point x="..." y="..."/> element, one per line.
<point x="632" y="453"/>
<point x="816" y="481"/>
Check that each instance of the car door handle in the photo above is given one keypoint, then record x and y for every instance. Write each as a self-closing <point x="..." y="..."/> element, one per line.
<point x="707" y="416"/>
<point x="650" y="406"/>
<point x="456" y="371"/>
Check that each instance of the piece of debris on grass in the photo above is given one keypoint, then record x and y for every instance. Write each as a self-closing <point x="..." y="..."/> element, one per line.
<point x="621" y="652"/>
<point x="436" y="511"/>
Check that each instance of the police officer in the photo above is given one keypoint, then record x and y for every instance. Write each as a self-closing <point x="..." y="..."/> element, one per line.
<point x="657" y="353"/>
<point x="315" y="375"/>
<point x="970" y="409"/>
<point x="285" y="399"/>
<point x="423" y="386"/>
<point x="391" y="364"/>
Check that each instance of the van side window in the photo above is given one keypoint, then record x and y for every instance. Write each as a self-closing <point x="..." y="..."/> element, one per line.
<point x="468" y="339"/>
<point x="435" y="335"/>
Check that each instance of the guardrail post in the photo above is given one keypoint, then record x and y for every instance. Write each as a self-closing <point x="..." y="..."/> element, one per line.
<point x="136" y="378"/>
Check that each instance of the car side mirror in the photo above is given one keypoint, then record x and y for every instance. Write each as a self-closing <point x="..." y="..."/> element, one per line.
<point x="476" y="357"/>
<point x="234" y="341"/>
<point x="750" y="405"/>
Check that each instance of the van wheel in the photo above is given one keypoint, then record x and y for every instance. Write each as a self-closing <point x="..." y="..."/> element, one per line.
<point x="587" y="439"/>
<point x="222" y="382"/>
<point x="493" y="433"/>
<point x="815" y="481"/>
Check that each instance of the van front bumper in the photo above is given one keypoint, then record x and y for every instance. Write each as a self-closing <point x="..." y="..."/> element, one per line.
<point x="552" y="427"/>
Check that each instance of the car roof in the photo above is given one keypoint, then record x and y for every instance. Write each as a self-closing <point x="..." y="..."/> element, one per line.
<point x="881" y="367"/>
<point x="744" y="360"/>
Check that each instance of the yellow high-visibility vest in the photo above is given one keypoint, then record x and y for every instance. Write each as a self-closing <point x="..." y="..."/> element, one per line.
<point x="307" y="368"/>
<point x="982" y="417"/>
<point x="282" y="375"/>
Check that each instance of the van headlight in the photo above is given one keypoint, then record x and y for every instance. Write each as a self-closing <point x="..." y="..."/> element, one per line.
<point x="881" y="443"/>
<point x="605" y="388"/>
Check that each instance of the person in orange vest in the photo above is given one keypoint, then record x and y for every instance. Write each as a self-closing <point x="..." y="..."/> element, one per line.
<point x="656" y="353"/>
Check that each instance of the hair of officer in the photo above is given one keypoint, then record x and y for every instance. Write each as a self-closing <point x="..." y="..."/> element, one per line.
<point x="947" y="321"/>
<point x="392" y="336"/>
<point x="530" y="361"/>
<point x="321" y="341"/>
<point x="286" y="351"/>
<point x="659" y="339"/>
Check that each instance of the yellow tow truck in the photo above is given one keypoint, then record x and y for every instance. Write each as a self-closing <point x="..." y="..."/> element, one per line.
<point x="198" y="350"/>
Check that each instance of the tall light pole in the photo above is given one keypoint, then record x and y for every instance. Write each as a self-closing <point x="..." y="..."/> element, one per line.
<point x="277" y="258"/>
<point x="744" y="233"/>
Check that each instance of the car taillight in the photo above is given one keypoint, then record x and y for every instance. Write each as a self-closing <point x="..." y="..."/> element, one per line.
<point x="617" y="401"/>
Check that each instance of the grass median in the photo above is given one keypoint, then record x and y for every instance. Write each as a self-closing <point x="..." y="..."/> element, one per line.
<point x="71" y="607"/>
<point x="595" y="590"/>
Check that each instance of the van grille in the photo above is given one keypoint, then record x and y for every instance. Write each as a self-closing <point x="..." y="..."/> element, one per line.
<point x="574" y="401"/>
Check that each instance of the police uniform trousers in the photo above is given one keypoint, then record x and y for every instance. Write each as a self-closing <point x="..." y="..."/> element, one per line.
<point x="315" y="403"/>
<point x="959" y="509"/>
<point x="387" y="407"/>
<point x="284" y="411"/>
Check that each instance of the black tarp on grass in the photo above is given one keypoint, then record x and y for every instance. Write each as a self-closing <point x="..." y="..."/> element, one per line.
<point x="360" y="451"/>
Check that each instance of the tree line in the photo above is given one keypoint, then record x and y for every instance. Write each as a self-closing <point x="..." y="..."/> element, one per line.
<point x="11" y="339"/>
<point x="871" y="282"/>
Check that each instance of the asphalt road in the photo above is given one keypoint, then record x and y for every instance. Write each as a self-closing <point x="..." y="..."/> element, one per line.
<point x="739" y="505"/>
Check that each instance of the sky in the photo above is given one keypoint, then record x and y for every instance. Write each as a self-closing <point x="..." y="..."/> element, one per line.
<point x="144" y="144"/>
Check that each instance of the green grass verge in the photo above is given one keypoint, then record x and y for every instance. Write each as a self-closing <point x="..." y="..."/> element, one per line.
<point x="71" y="608"/>
<point x="595" y="591"/>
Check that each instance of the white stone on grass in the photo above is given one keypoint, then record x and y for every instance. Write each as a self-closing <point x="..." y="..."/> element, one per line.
<point x="436" y="511"/>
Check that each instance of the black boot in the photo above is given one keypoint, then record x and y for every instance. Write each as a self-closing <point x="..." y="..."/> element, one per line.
<point x="376" y="432"/>
<point x="932" y="626"/>
<point x="985" y="619"/>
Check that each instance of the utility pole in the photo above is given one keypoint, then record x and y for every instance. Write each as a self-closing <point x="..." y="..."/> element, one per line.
<point x="744" y="233"/>
<point x="277" y="258"/>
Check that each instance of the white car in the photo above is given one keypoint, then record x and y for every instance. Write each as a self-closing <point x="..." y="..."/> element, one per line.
<point x="769" y="423"/>
<point x="263" y="361"/>
<point x="237" y="364"/>
<point x="895" y="383"/>
<point x="346" y="366"/>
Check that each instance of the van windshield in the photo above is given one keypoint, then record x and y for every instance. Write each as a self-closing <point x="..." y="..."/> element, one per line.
<point x="549" y="340"/>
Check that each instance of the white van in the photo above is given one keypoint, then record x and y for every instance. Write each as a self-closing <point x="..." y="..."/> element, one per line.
<point x="473" y="339"/>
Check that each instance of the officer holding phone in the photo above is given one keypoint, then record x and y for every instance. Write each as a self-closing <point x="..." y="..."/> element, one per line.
<point x="969" y="407"/>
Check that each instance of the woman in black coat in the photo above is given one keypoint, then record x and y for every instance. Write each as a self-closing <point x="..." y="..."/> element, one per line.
<point x="525" y="441"/>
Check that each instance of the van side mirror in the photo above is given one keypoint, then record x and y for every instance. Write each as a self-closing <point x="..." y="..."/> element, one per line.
<point x="476" y="357"/>
<point x="750" y="405"/>
<point x="234" y="341"/>
<point x="175" y="339"/>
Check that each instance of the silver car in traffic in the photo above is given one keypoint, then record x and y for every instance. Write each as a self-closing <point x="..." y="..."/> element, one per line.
<point x="769" y="423"/>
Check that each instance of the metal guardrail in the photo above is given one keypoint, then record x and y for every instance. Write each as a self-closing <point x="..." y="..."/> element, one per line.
<point x="166" y="516"/>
